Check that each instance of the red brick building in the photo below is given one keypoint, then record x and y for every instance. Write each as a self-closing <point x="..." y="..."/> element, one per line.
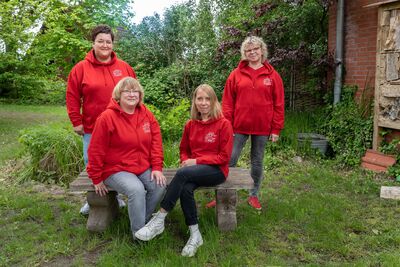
<point x="371" y="61"/>
<point x="360" y="32"/>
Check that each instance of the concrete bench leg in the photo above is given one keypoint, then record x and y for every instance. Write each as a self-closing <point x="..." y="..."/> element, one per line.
<point x="226" y="209"/>
<point x="103" y="210"/>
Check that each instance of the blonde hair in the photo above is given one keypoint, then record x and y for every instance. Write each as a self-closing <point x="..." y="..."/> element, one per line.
<point x="130" y="83"/>
<point x="254" y="40"/>
<point x="215" y="110"/>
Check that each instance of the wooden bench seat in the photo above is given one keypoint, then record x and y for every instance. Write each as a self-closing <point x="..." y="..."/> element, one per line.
<point x="104" y="209"/>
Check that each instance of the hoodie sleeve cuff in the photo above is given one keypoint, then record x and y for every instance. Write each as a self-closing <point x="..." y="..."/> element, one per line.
<point x="77" y="123"/>
<point x="276" y="131"/>
<point x="157" y="168"/>
<point x="97" y="180"/>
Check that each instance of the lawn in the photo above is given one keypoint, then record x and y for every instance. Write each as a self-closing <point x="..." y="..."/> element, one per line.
<point x="15" y="117"/>
<point x="314" y="214"/>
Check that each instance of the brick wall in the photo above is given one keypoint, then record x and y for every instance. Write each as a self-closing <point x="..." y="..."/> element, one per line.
<point x="360" y="32"/>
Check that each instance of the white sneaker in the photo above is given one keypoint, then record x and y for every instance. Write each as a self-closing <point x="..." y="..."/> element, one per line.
<point x="194" y="242"/>
<point x="153" y="228"/>
<point x="121" y="202"/>
<point x="85" y="209"/>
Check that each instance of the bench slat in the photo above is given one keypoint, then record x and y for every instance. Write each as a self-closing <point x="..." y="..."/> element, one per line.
<point x="238" y="179"/>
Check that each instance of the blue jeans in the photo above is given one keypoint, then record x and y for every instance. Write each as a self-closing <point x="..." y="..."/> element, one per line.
<point x="143" y="195"/>
<point x="186" y="180"/>
<point x="258" y="143"/>
<point x="86" y="142"/>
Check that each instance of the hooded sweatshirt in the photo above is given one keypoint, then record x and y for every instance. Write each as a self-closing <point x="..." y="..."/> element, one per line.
<point x="90" y="86"/>
<point x="253" y="100"/>
<point x="124" y="142"/>
<point x="209" y="142"/>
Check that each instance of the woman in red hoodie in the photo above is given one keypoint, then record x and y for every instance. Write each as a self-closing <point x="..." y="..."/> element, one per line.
<point x="205" y="150"/>
<point x="254" y="103"/>
<point x="126" y="154"/>
<point x="90" y="84"/>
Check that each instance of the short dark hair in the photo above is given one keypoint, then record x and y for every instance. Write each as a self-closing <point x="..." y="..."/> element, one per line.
<point x="102" y="29"/>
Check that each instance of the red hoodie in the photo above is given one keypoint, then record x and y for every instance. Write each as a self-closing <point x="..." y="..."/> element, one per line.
<point x="124" y="142"/>
<point x="208" y="142"/>
<point x="254" y="104"/>
<point x="90" y="85"/>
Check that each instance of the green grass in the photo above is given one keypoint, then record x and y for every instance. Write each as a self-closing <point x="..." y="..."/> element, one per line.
<point x="36" y="227"/>
<point x="314" y="214"/>
<point x="16" y="117"/>
<point x="49" y="109"/>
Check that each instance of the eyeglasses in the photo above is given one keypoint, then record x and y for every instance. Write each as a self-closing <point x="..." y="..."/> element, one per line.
<point x="252" y="50"/>
<point x="130" y="91"/>
<point x="101" y="42"/>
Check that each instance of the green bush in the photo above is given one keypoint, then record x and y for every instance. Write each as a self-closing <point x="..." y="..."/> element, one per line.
<point x="52" y="93"/>
<point x="53" y="154"/>
<point x="172" y="120"/>
<point x="32" y="89"/>
<point x="176" y="81"/>
<point x="348" y="129"/>
<point x="24" y="82"/>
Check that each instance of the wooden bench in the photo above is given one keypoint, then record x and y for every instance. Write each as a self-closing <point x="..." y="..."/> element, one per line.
<point x="103" y="210"/>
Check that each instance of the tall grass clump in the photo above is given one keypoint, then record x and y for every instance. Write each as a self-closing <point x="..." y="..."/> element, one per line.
<point x="299" y="122"/>
<point x="288" y="146"/>
<point x="171" y="154"/>
<point x="52" y="154"/>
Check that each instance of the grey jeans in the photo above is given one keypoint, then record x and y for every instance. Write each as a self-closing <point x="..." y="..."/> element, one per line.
<point x="143" y="195"/>
<point x="86" y="141"/>
<point x="258" y="143"/>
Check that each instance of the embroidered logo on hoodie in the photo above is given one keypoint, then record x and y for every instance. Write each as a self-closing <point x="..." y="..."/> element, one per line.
<point x="146" y="127"/>
<point x="210" y="137"/>
<point x="267" y="81"/>
<point x="117" y="73"/>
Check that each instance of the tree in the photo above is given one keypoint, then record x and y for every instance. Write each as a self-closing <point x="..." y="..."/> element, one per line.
<point x="278" y="23"/>
<point x="45" y="39"/>
<point x="17" y="19"/>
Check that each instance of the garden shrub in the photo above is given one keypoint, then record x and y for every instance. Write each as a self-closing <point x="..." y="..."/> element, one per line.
<point x="173" y="119"/>
<point x="26" y="82"/>
<point x="32" y="89"/>
<point x="348" y="129"/>
<point x="177" y="81"/>
<point x="53" y="154"/>
<point x="52" y="93"/>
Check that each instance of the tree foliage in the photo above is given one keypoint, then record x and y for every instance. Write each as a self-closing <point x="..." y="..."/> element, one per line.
<point x="44" y="39"/>
<point x="190" y="43"/>
<point x="295" y="32"/>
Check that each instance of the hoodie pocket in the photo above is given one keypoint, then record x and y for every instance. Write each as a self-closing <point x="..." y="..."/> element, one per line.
<point x="130" y="162"/>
